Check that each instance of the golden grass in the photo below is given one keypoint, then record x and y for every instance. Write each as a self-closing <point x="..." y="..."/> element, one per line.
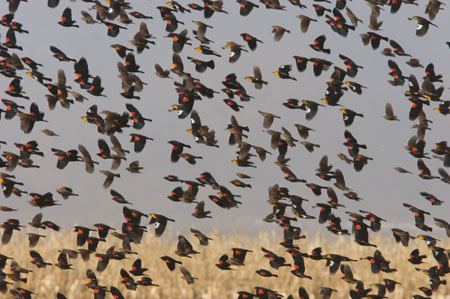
<point x="213" y="282"/>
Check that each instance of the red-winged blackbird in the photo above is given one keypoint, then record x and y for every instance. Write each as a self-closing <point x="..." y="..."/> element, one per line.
<point x="424" y="172"/>
<point x="15" y="89"/>
<point x="246" y="7"/>
<point x="66" y="19"/>
<point x="82" y="234"/>
<point x="275" y="261"/>
<point x="223" y="263"/>
<point x="37" y="260"/>
<point x="373" y="38"/>
<point x="121" y="50"/>
<point x="179" y="40"/>
<point x="239" y="255"/>
<point x="318" y="44"/>
<point x="199" y="211"/>
<point x="397" y="48"/>
<point x="200" y="65"/>
<point x="62" y="262"/>
<point x="103" y="229"/>
<point x="265" y="273"/>
<point x="415" y="258"/>
<point x="319" y="65"/>
<point x="139" y="142"/>
<point x="320" y="10"/>
<point x="232" y="104"/>
<point x="172" y="23"/>
<point x="352" y="144"/>
<point x="184" y="247"/>
<point x="58" y="54"/>
<point x="252" y="41"/>
<point x="301" y="63"/>
<point x="177" y="149"/>
<point x="204" y="240"/>
<point x="10" y="41"/>
<point x="431" y="198"/>
<point x="65" y="157"/>
<point x="170" y="262"/>
<point x="127" y="280"/>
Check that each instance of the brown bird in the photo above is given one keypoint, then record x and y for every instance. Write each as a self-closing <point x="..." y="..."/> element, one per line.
<point x="305" y="21"/>
<point x="49" y="132"/>
<point x="160" y="72"/>
<point x="303" y="131"/>
<point x="401" y="170"/>
<point x="201" y="31"/>
<point x="134" y="167"/>
<point x="34" y="239"/>
<point x="414" y="62"/>
<point x="353" y="18"/>
<point x="279" y="32"/>
<point x="389" y="113"/>
<point x="309" y="146"/>
<point x="86" y="158"/>
<point x="187" y="275"/>
<point x="374" y="24"/>
<point x="401" y="236"/>
<point x="268" y="118"/>
<point x="141" y="39"/>
<point x="88" y="18"/>
<point x="66" y="192"/>
<point x="432" y="8"/>
<point x="109" y="178"/>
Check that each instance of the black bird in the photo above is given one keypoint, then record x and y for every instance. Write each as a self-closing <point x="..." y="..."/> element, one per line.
<point x="66" y="19"/>
<point x="161" y="222"/>
<point x="177" y="149"/>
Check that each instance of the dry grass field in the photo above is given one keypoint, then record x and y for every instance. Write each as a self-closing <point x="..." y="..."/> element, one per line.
<point x="213" y="282"/>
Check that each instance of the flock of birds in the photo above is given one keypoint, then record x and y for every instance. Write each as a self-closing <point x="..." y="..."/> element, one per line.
<point x="107" y="125"/>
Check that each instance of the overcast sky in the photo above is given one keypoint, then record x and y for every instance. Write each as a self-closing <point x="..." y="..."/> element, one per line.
<point x="383" y="189"/>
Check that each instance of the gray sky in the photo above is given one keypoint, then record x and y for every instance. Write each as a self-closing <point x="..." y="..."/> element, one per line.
<point x="383" y="189"/>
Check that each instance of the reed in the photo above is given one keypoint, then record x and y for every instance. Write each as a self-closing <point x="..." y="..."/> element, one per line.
<point x="213" y="282"/>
